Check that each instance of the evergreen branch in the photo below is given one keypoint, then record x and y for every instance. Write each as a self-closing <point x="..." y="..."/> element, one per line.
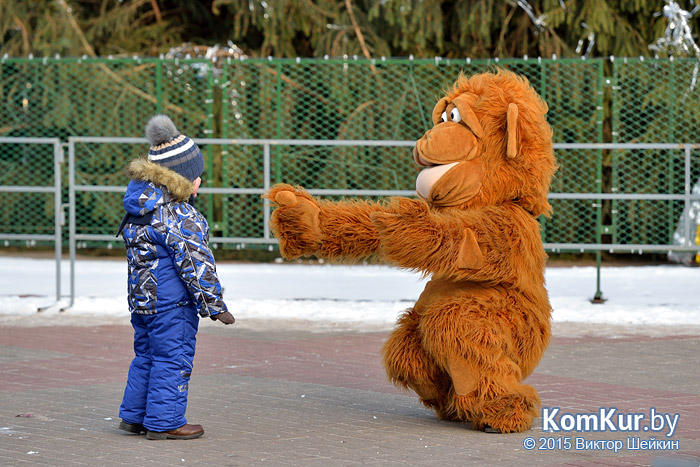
<point x="358" y="33"/>
<point x="156" y="10"/>
<point x="311" y="4"/>
<point x="504" y="27"/>
<point x="631" y="31"/>
<point x="107" y="71"/>
<point x="76" y="28"/>
<point x="25" y="33"/>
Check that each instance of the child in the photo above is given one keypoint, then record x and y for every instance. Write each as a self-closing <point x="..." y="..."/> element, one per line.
<point x="172" y="278"/>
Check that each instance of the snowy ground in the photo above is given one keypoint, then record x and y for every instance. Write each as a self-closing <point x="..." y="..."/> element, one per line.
<point x="648" y="299"/>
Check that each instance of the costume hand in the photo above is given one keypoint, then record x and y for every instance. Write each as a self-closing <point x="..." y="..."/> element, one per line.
<point x="225" y="317"/>
<point x="295" y="222"/>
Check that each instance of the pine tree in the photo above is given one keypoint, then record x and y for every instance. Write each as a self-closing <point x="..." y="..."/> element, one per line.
<point x="316" y="28"/>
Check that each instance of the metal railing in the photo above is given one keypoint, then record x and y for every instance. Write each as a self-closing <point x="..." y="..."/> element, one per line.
<point x="266" y="144"/>
<point x="596" y="198"/>
<point x="54" y="190"/>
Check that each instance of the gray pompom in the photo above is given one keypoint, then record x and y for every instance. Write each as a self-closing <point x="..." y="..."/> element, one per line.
<point x="160" y="130"/>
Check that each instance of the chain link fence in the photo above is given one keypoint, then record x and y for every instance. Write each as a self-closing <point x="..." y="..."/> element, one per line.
<point x="653" y="101"/>
<point x="32" y="189"/>
<point x="590" y="101"/>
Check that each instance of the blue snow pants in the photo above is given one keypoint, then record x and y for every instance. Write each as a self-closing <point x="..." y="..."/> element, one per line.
<point x="156" y="388"/>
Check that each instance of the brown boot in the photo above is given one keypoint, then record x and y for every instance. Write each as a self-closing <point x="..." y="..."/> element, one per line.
<point x="132" y="427"/>
<point x="186" y="431"/>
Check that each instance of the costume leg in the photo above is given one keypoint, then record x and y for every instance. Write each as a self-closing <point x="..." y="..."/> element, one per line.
<point x="133" y="407"/>
<point x="409" y="366"/>
<point x="507" y="404"/>
<point x="172" y="337"/>
<point x="495" y="396"/>
<point x="472" y="338"/>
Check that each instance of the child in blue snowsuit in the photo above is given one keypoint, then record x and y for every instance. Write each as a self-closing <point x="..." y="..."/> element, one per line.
<point x="172" y="282"/>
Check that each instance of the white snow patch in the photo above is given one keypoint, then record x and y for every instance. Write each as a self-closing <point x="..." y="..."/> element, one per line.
<point x="370" y="297"/>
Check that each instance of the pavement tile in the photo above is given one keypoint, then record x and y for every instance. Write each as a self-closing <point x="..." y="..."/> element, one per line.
<point x="281" y="396"/>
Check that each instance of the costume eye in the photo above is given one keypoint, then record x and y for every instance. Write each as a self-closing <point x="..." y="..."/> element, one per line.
<point x="455" y="116"/>
<point x="443" y="117"/>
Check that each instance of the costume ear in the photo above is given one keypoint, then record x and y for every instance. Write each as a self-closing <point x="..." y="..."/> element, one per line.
<point x="438" y="110"/>
<point x="512" y="129"/>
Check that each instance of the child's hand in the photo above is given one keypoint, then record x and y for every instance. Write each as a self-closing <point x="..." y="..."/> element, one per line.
<point x="225" y="317"/>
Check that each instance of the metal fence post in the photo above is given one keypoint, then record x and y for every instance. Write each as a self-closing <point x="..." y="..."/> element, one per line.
<point x="598" y="296"/>
<point x="71" y="219"/>
<point x="278" y="120"/>
<point x="686" y="201"/>
<point x="266" y="186"/>
<point x="58" y="213"/>
<point x="58" y="216"/>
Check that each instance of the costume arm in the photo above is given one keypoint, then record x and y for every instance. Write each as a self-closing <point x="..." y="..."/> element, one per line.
<point x="348" y="232"/>
<point x="459" y="244"/>
<point x="306" y="226"/>
<point x="188" y="238"/>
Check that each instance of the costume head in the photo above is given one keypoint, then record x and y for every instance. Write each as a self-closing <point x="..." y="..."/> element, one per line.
<point x="173" y="150"/>
<point x="490" y="144"/>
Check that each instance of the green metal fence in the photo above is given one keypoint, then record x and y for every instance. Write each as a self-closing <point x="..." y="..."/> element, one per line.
<point x="653" y="101"/>
<point x="590" y="101"/>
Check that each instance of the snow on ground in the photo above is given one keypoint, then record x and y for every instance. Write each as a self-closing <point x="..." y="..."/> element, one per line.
<point x="341" y="296"/>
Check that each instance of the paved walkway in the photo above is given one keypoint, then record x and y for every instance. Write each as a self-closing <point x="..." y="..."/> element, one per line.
<point x="284" y="396"/>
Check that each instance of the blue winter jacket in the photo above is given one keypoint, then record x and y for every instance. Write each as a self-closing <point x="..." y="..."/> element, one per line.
<point x="170" y="263"/>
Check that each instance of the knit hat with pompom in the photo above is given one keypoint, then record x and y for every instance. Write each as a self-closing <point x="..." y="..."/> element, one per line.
<point x="173" y="150"/>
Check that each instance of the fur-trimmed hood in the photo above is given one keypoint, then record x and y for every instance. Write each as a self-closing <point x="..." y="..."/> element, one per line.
<point x="179" y="187"/>
<point x="153" y="185"/>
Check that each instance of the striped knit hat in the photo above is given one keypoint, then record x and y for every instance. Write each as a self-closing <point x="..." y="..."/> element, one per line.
<point x="173" y="150"/>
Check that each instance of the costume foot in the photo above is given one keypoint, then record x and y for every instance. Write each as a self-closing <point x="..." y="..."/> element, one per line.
<point x="186" y="431"/>
<point x="465" y="408"/>
<point x="510" y="413"/>
<point x="132" y="427"/>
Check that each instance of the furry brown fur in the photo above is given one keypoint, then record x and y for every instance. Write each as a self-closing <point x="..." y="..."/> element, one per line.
<point x="483" y="321"/>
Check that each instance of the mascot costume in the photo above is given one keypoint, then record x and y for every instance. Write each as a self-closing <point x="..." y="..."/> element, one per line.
<point x="483" y="321"/>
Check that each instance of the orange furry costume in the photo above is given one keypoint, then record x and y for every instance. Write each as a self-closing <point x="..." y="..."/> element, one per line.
<point x="483" y="321"/>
